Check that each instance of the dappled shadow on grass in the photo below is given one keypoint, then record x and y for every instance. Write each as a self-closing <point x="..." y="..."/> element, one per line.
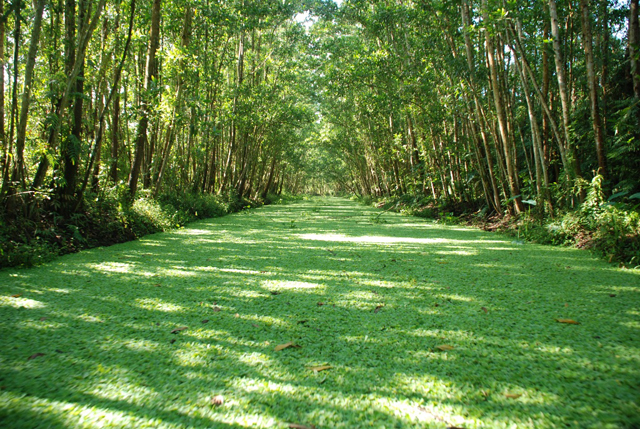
<point x="373" y="300"/>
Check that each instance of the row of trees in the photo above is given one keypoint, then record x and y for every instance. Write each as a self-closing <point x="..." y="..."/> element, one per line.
<point x="465" y="101"/>
<point x="503" y="102"/>
<point x="174" y="96"/>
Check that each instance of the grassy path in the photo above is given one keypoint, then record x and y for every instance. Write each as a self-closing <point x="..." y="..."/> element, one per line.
<point x="422" y="325"/>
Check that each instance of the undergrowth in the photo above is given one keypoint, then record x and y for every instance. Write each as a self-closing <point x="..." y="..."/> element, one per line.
<point x="608" y="226"/>
<point x="41" y="233"/>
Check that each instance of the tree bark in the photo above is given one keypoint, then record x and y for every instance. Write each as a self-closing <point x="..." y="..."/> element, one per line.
<point x="569" y="161"/>
<point x="634" y="46"/>
<point x="151" y="71"/>
<point x="495" y="193"/>
<point x="18" y="172"/>
<point x="587" y="42"/>
<point x="186" y="38"/>
<point x="85" y="37"/>
<point x="3" y="137"/>
<point x="507" y="142"/>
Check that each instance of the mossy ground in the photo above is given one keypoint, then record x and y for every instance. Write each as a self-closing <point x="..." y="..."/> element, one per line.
<point x="87" y="340"/>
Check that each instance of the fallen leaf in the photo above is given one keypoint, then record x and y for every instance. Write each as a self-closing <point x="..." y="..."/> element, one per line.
<point x="157" y="285"/>
<point x="37" y="355"/>
<point x="297" y="426"/>
<point x="302" y="322"/>
<point x="16" y="296"/>
<point x="237" y="315"/>
<point x="175" y="331"/>
<point x="216" y="308"/>
<point x="437" y="305"/>
<point x="172" y="341"/>
<point x="513" y="395"/>
<point x="255" y="325"/>
<point x="205" y="321"/>
<point x="217" y="400"/>
<point x="613" y="295"/>
<point x="320" y="368"/>
<point x="286" y="346"/>
<point x="485" y="309"/>
<point x="445" y="347"/>
<point x="275" y="292"/>
<point x="320" y="304"/>
<point x="378" y="308"/>
<point x="566" y="305"/>
<point x="568" y="321"/>
<point x="442" y="262"/>
<point x="454" y="427"/>
<point x="43" y="319"/>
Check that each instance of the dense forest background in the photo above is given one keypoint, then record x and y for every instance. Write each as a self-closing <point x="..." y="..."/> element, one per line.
<point x="122" y="118"/>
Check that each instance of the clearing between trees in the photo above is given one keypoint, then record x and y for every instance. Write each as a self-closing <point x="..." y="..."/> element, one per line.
<point x="321" y="314"/>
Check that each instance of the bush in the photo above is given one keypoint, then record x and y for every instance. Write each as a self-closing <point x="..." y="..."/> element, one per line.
<point x="105" y="219"/>
<point x="612" y="229"/>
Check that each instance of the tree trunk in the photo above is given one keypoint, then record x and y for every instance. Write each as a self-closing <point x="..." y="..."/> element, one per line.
<point x="587" y="41"/>
<point x="507" y="141"/>
<point x="3" y="137"/>
<point x="495" y="193"/>
<point x="18" y="172"/>
<point x="70" y="145"/>
<point x="115" y="88"/>
<point x="569" y="161"/>
<point x="83" y="43"/>
<point x="186" y="37"/>
<point x="151" y="71"/>
<point x="634" y="45"/>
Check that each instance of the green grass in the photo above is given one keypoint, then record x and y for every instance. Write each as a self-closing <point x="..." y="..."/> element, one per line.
<point x="391" y="293"/>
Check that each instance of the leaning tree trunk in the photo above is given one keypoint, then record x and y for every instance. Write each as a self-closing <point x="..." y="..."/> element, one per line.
<point x="186" y="38"/>
<point x="569" y="162"/>
<point x="507" y="141"/>
<point x="63" y="105"/>
<point x="3" y="137"/>
<point x="145" y="106"/>
<point x="18" y="172"/>
<point x="593" y="91"/>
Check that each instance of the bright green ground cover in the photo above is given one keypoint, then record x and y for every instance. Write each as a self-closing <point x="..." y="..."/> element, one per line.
<point x="391" y="293"/>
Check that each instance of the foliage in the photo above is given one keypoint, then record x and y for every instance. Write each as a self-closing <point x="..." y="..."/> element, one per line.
<point x="108" y="219"/>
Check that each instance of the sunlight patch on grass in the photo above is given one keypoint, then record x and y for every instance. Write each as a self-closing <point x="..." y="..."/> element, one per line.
<point x="290" y="285"/>
<point x="341" y="238"/>
<point x="40" y="411"/>
<point x="157" y="304"/>
<point x="193" y="231"/>
<point x="177" y="272"/>
<point x="226" y="270"/>
<point x="120" y="388"/>
<point x="19" y="302"/>
<point x="140" y="345"/>
<point x="112" y="267"/>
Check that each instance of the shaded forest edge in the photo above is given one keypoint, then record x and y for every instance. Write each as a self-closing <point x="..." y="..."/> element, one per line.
<point x="43" y="234"/>
<point x="609" y="227"/>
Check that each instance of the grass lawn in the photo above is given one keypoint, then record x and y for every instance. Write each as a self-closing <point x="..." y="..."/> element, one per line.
<point x="313" y="314"/>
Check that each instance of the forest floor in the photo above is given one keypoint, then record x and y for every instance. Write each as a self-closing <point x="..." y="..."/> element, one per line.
<point x="321" y="314"/>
